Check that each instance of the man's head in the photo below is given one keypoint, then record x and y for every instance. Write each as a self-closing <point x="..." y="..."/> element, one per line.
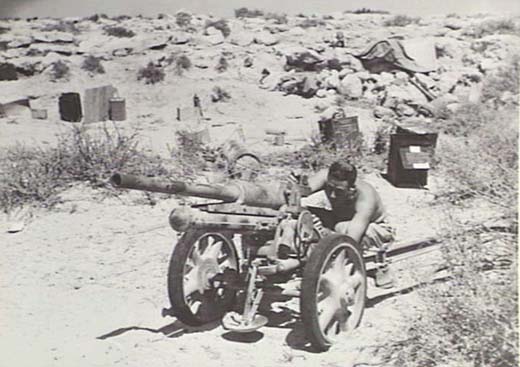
<point x="340" y="185"/>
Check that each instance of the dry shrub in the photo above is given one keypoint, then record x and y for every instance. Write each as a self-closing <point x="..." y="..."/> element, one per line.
<point x="120" y="32"/>
<point x="222" y="65"/>
<point x="472" y="317"/>
<point x="400" y="21"/>
<point x="35" y="174"/>
<point x="219" y="94"/>
<point x="59" y="70"/>
<point x="278" y="18"/>
<point x="489" y="27"/>
<point x="151" y="74"/>
<point x="248" y="13"/>
<point x="61" y="26"/>
<point x="182" y="63"/>
<point x="312" y="22"/>
<point x="505" y="79"/>
<point x="183" y="19"/>
<point x="367" y="11"/>
<point x="485" y="163"/>
<point x="97" y="17"/>
<point x="313" y="156"/>
<point x="189" y="153"/>
<point x="93" y="65"/>
<point x="221" y="24"/>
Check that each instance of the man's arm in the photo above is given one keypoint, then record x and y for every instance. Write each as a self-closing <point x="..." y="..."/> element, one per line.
<point x="318" y="180"/>
<point x="357" y="227"/>
<point x="366" y="206"/>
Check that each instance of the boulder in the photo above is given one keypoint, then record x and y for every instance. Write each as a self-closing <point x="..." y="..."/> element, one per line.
<point x="381" y="112"/>
<point x="180" y="38"/>
<point x="214" y="39"/>
<point x="54" y="37"/>
<point x="454" y="23"/>
<point x="363" y="75"/>
<point x="405" y="93"/>
<point x="266" y="38"/>
<point x="351" y="87"/>
<point x="403" y="109"/>
<point x="401" y="78"/>
<point x="333" y="81"/>
<point x="448" y="80"/>
<point x="296" y="31"/>
<point x="241" y="38"/>
<point x="488" y="66"/>
<point x="347" y="60"/>
<point x="321" y="93"/>
<point x="303" y="61"/>
<point x="20" y="41"/>
<point x="385" y="79"/>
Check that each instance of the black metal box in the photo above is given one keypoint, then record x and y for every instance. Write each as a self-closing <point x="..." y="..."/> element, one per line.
<point x="411" y="153"/>
<point x="342" y="131"/>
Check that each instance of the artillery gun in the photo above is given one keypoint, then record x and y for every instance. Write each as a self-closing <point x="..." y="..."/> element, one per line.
<point x="253" y="239"/>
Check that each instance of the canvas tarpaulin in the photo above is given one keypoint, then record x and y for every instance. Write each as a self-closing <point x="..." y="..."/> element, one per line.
<point x="416" y="55"/>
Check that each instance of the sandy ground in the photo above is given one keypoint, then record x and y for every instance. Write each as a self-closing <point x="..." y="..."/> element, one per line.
<point x="85" y="283"/>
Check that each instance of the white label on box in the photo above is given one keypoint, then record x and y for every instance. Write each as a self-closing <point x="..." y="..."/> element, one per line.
<point x="415" y="149"/>
<point x="421" y="165"/>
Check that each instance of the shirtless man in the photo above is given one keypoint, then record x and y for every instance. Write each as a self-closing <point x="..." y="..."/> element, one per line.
<point x="351" y="206"/>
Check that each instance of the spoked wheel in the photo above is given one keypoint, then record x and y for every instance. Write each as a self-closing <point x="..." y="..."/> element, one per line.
<point x="333" y="292"/>
<point x="201" y="266"/>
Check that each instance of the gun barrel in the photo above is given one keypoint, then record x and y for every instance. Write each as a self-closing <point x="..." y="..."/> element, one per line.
<point x="247" y="193"/>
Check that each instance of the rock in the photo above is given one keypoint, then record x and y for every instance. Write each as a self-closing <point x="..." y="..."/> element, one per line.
<point x="385" y="79"/>
<point x="44" y="48"/>
<point x="248" y="62"/>
<point x="15" y="226"/>
<point x="333" y="81"/>
<point x="347" y="60"/>
<point x="453" y="107"/>
<point x="371" y="96"/>
<point x="454" y="23"/>
<point x="303" y="61"/>
<point x="402" y="109"/>
<point x="345" y="72"/>
<point x="297" y="31"/>
<point x="54" y="37"/>
<point x="448" y="81"/>
<point x="243" y="38"/>
<point x="509" y="98"/>
<point x="20" y="41"/>
<point x="214" y="39"/>
<point x="180" y="38"/>
<point x="382" y="112"/>
<point x="351" y="87"/>
<point x="401" y="78"/>
<point x="404" y="93"/>
<point x="266" y="38"/>
<point x="363" y="75"/>
<point x="449" y="47"/>
<point x="489" y="65"/>
<point x="475" y="93"/>
<point x="321" y="93"/>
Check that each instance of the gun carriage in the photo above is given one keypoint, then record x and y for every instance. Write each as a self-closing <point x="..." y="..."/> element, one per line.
<point x="256" y="238"/>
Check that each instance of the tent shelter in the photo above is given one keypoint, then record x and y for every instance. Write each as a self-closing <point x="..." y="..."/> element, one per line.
<point x="413" y="55"/>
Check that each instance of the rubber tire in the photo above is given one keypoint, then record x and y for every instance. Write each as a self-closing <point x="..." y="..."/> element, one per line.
<point x="180" y="309"/>
<point x="311" y="276"/>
